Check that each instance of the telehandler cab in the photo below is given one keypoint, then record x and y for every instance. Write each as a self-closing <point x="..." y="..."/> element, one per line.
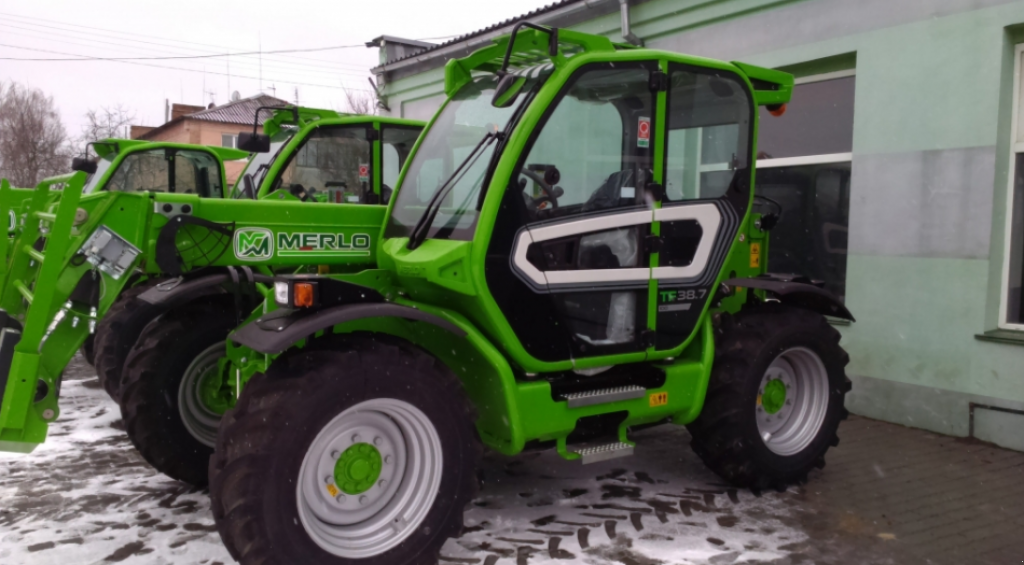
<point x="572" y="253"/>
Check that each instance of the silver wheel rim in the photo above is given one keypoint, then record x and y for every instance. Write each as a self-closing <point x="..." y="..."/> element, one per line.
<point x="199" y="420"/>
<point x="372" y="522"/>
<point x="795" y="425"/>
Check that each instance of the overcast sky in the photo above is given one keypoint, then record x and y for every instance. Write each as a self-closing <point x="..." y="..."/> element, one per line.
<point x="146" y="28"/>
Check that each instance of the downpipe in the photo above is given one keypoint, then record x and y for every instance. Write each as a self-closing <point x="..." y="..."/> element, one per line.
<point x="626" y="33"/>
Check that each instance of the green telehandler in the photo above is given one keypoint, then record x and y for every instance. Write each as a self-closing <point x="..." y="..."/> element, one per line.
<point x="118" y="163"/>
<point x="572" y="253"/>
<point x="97" y="252"/>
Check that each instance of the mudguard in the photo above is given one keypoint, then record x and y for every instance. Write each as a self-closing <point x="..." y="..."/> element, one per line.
<point x="279" y="330"/>
<point x="799" y="294"/>
<point x="167" y="294"/>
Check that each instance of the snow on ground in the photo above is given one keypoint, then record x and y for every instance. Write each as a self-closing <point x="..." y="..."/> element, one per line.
<point x="87" y="497"/>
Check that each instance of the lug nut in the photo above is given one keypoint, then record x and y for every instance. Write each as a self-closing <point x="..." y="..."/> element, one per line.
<point x="335" y="454"/>
<point x="382" y="483"/>
<point x="340" y="498"/>
<point x="356" y="438"/>
<point x="328" y="479"/>
<point x="387" y="459"/>
<point x="377" y="441"/>
<point x="363" y="499"/>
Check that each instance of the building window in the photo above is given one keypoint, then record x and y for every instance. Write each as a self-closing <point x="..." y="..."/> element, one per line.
<point x="228" y="140"/>
<point x="1012" y="302"/>
<point x="803" y="166"/>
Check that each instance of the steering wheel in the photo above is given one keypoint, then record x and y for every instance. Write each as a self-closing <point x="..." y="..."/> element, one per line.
<point x="301" y="193"/>
<point x="551" y="194"/>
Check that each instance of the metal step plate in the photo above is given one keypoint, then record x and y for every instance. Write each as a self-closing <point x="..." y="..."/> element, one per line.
<point x="598" y="453"/>
<point x="604" y="395"/>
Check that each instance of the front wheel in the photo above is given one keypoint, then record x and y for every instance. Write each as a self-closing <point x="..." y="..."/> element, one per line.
<point x="775" y="398"/>
<point x="355" y="449"/>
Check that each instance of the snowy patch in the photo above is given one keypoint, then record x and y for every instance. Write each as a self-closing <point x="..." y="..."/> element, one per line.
<point x="86" y="496"/>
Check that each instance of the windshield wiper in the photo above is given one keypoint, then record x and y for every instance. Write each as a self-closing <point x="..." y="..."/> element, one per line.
<point x="422" y="227"/>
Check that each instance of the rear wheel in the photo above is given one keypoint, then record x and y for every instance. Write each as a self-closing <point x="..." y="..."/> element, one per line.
<point x="775" y="398"/>
<point x="354" y="449"/>
<point x="173" y="394"/>
<point x="117" y="332"/>
<point x="89" y="349"/>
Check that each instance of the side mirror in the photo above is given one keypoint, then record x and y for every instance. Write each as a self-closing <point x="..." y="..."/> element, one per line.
<point x="254" y="142"/>
<point x="507" y="91"/>
<point x="83" y="164"/>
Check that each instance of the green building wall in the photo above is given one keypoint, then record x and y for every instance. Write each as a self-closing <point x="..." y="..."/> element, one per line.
<point x="930" y="173"/>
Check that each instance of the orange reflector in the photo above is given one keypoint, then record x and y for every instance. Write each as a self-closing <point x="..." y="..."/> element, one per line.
<point x="302" y="295"/>
<point x="777" y="110"/>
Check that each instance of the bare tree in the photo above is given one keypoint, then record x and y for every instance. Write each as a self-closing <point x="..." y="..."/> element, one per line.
<point x="360" y="102"/>
<point x="108" y="121"/>
<point x="33" y="141"/>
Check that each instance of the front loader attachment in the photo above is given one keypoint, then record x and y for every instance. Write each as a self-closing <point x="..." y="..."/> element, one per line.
<point x="31" y="311"/>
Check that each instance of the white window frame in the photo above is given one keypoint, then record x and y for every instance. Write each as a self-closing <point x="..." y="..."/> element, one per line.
<point x="1015" y="148"/>
<point x="234" y="140"/>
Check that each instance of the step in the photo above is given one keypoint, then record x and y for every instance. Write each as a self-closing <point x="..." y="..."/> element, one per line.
<point x="596" y="453"/>
<point x="604" y="395"/>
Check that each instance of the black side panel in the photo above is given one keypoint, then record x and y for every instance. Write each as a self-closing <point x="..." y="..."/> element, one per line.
<point x="799" y="294"/>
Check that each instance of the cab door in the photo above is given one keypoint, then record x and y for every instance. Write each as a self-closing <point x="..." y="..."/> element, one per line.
<point x="568" y="261"/>
<point x="708" y="128"/>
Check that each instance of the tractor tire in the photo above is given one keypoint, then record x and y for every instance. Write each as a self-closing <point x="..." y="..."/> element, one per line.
<point x="89" y="349"/>
<point x="775" y="397"/>
<point x="161" y="405"/>
<point x="355" y="449"/>
<point x="117" y="332"/>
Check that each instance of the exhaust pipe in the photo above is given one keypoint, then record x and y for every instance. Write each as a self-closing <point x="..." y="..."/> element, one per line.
<point x="626" y="33"/>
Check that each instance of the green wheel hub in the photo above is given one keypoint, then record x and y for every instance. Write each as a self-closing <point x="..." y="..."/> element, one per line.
<point x="774" y="396"/>
<point x="357" y="469"/>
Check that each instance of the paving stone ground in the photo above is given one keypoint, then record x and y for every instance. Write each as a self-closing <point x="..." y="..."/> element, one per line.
<point x="889" y="495"/>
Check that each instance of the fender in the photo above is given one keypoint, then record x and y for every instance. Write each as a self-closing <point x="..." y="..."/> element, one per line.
<point x="799" y="294"/>
<point x="168" y="295"/>
<point x="272" y="334"/>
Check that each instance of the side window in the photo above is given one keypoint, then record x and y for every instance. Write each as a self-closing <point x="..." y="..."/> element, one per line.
<point x="803" y="167"/>
<point x="708" y="130"/>
<point x="143" y="171"/>
<point x="593" y="152"/>
<point x="169" y="170"/>
<point x="332" y="165"/>
<point x="396" y="143"/>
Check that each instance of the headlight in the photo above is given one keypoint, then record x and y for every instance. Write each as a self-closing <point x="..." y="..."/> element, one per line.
<point x="281" y="293"/>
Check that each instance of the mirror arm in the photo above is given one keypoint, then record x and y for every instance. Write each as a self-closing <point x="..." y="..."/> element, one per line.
<point x="256" y="115"/>
<point x="552" y="43"/>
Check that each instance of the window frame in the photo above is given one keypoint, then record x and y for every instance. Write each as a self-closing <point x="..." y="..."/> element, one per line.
<point x="817" y="159"/>
<point x="234" y="140"/>
<point x="1016" y="148"/>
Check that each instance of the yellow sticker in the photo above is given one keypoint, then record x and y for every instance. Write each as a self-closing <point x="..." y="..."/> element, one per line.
<point x="659" y="399"/>
<point x="755" y="255"/>
<point x="333" y="490"/>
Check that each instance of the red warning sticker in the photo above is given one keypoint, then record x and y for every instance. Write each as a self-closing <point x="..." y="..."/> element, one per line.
<point x="643" y="133"/>
<point x="364" y="172"/>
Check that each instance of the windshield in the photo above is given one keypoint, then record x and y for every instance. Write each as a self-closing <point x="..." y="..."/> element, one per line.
<point x="462" y="124"/>
<point x="93" y="180"/>
<point x="259" y="164"/>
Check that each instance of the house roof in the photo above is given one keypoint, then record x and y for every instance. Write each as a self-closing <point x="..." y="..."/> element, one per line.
<point x="238" y="112"/>
<point x="539" y="11"/>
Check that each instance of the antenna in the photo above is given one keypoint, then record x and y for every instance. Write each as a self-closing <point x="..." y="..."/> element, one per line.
<point x="296" y="96"/>
<point x="259" y="37"/>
